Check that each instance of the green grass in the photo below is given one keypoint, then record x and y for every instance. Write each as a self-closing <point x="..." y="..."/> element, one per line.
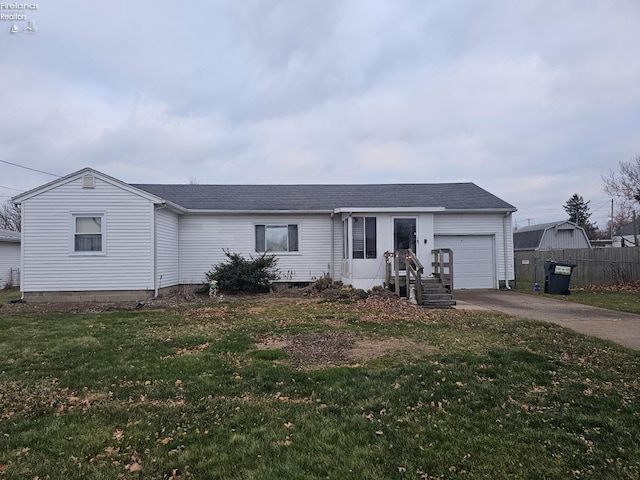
<point x="7" y="294"/>
<point x="621" y="301"/>
<point x="187" y="393"/>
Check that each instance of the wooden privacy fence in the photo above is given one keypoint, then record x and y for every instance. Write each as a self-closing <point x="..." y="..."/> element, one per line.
<point x="594" y="266"/>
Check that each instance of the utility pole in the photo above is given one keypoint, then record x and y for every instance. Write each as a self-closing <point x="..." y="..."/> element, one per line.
<point x="611" y="223"/>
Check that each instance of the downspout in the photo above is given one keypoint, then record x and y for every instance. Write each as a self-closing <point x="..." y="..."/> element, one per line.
<point x="156" y="280"/>
<point x="506" y="249"/>
<point x="21" y="250"/>
<point x="350" y="246"/>
<point x="333" y="245"/>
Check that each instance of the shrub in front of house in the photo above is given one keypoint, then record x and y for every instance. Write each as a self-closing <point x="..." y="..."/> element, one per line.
<point x="244" y="275"/>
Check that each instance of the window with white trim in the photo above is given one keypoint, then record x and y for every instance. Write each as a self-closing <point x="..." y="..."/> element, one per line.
<point x="88" y="233"/>
<point x="277" y="238"/>
<point x="364" y="237"/>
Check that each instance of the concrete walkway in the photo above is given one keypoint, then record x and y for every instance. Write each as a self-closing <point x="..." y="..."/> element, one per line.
<point x="620" y="327"/>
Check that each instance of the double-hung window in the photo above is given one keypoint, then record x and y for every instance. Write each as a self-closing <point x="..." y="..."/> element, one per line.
<point x="364" y="237"/>
<point x="88" y="234"/>
<point x="277" y="238"/>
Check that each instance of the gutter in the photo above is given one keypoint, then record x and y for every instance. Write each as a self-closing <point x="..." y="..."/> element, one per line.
<point x="253" y="212"/>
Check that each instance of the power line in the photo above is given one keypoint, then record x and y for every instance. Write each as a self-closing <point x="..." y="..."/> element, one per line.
<point x="9" y="188"/>
<point x="29" y="168"/>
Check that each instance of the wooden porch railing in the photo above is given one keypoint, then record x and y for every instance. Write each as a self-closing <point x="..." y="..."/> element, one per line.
<point x="413" y="268"/>
<point x="443" y="266"/>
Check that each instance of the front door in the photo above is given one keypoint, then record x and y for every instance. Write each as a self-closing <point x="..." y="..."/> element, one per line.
<point x="404" y="237"/>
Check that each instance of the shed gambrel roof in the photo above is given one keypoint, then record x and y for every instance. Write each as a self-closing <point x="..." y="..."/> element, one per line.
<point x="529" y="238"/>
<point x="450" y="196"/>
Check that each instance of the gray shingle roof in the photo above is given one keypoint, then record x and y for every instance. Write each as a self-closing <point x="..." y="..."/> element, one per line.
<point x="451" y="196"/>
<point x="529" y="240"/>
<point x="9" y="236"/>
<point x="626" y="230"/>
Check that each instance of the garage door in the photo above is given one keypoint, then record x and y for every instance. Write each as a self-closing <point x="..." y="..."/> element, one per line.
<point x="473" y="259"/>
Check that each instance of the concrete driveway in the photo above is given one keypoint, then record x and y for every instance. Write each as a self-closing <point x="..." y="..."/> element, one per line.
<point x="620" y="327"/>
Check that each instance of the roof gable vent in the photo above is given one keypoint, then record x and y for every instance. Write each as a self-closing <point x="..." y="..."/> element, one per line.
<point x="88" y="181"/>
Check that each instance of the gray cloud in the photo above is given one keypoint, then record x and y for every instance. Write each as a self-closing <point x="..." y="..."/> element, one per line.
<point x="531" y="101"/>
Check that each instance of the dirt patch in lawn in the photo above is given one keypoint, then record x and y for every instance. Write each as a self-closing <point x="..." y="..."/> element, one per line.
<point x="318" y="350"/>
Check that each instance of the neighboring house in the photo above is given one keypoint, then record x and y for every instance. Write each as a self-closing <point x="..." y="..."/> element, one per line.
<point x="9" y="258"/>
<point x="625" y="237"/>
<point x="550" y="236"/>
<point x="91" y="233"/>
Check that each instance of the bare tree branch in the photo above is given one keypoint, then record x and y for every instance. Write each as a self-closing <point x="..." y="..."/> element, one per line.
<point x="625" y="183"/>
<point x="10" y="217"/>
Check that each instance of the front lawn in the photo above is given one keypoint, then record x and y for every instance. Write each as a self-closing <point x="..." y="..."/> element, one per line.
<point x="620" y="300"/>
<point x="273" y="388"/>
<point x="7" y="294"/>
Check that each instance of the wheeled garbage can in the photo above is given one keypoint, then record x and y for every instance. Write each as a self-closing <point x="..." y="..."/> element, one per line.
<point x="557" y="276"/>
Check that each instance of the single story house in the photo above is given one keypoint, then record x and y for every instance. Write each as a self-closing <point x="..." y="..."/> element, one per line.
<point x="625" y="237"/>
<point x="550" y="236"/>
<point x="88" y="235"/>
<point x="9" y="258"/>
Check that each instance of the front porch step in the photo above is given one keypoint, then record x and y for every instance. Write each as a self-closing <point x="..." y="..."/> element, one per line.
<point x="435" y="294"/>
<point x="441" y="304"/>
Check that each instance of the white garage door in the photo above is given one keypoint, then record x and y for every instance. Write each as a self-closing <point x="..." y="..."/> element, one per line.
<point x="473" y="259"/>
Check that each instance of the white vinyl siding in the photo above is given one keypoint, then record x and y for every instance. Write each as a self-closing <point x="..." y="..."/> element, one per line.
<point x="167" y="237"/>
<point x="203" y="240"/>
<point x="9" y="260"/>
<point x="50" y="266"/>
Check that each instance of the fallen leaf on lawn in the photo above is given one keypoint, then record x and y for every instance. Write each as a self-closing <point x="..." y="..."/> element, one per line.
<point x="134" y="467"/>
<point x="112" y="452"/>
<point x="118" y="435"/>
<point x="166" y="440"/>
<point x="288" y="425"/>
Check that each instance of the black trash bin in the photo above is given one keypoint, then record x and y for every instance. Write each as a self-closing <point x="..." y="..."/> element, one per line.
<point x="557" y="276"/>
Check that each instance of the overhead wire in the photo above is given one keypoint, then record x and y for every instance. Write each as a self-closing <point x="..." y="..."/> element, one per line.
<point x="29" y="168"/>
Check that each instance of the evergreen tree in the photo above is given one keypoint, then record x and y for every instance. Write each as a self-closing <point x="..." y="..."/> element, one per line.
<point x="578" y="211"/>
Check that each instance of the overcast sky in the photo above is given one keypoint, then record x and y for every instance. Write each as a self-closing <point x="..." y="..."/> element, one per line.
<point x="531" y="100"/>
